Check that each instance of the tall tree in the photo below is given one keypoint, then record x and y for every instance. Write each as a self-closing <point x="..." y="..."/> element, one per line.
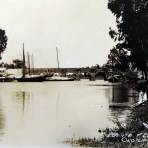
<point x="132" y="31"/>
<point x="3" y="41"/>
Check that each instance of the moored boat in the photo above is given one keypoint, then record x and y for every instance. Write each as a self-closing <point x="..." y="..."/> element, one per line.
<point x="58" y="77"/>
<point x="29" y="78"/>
<point x="32" y="78"/>
<point x="4" y="76"/>
<point x="6" y="79"/>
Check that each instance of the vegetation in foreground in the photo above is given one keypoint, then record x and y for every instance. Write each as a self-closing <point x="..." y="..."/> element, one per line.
<point x="131" y="134"/>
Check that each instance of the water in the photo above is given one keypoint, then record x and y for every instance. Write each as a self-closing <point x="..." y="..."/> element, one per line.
<point x="45" y="114"/>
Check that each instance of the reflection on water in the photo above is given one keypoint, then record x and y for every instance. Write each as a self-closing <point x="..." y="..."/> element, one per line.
<point x="48" y="113"/>
<point x="23" y="99"/>
<point x="57" y="105"/>
<point x="122" y="95"/>
<point x="121" y="98"/>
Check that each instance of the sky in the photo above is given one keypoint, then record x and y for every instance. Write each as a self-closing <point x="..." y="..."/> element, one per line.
<point x="79" y="28"/>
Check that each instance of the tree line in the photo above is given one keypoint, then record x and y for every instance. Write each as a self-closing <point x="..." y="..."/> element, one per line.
<point x="131" y="35"/>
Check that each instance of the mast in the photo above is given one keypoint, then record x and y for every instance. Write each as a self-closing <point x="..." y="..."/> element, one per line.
<point x="57" y="58"/>
<point x="32" y="63"/>
<point x="28" y="58"/>
<point x="24" y="66"/>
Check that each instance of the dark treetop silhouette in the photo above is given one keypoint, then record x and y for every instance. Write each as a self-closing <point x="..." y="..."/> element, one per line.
<point x="3" y="41"/>
<point x="132" y="31"/>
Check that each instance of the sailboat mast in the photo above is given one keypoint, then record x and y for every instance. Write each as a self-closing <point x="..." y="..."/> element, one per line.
<point x="28" y="56"/>
<point x="24" y="66"/>
<point x="32" y="63"/>
<point x="58" y="58"/>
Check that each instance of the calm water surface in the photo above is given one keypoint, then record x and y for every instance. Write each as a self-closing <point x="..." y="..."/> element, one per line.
<point x="50" y="112"/>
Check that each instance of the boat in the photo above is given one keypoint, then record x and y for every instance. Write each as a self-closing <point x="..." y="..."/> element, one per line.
<point x="32" y="78"/>
<point x="58" y="76"/>
<point x="4" y="76"/>
<point x="29" y="77"/>
<point x="6" y="79"/>
<point x="60" y="79"/>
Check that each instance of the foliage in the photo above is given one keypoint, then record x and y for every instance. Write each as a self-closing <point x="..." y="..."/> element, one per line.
<point x="16" y="63"/>
<point x="132" y="32"/>
<point x="3" y="41"/>
<point x="119" y="59"/>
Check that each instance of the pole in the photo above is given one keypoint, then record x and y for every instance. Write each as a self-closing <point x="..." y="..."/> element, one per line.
<point x="32" y="63"/>
<point x="57" y="58"/>
<point x="24" y="66"/>
<point x="28" y="58"/>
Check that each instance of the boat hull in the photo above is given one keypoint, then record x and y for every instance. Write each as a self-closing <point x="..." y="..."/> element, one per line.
<point x="32" y="79"/>
<point x="52" y="79"/>
<point x="5" y="79"/>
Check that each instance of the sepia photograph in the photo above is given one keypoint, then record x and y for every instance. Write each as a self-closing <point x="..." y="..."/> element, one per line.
<point x="73" y="73"/>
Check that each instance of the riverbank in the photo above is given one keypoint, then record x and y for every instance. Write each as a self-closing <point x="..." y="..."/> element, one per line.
<point x="86" y="142"/>
<point x="131" y="134"/>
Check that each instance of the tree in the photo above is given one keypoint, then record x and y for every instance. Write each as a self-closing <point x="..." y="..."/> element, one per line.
<point x="132" y="32"/>
<point x="119" y="59"/>
<point x="3" y="41"/>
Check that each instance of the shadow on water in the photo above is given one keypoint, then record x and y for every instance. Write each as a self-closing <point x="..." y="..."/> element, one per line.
<point x="123" y="95"/>
<point x="121" y="99"/>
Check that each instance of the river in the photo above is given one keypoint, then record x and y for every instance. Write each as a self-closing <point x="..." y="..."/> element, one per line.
<point x="47" y="113"/>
